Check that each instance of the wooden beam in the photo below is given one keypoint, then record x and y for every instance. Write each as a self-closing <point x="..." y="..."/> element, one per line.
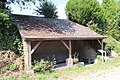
<point x="99" y="42"/>
<point x="70" y="49"/>
<point x="35" y="47"/>
<point x="29" y="54"/>
<point x="65" y="45"/>
<point x="102" y="44"/>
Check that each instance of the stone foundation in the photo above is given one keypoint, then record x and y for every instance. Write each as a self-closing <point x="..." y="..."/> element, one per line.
<point x="69" y="62"/>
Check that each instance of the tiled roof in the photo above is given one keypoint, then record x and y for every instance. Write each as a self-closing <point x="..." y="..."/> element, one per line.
<point x="33" y="27"/>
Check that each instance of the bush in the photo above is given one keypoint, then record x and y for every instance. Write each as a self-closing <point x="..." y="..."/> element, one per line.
<point x="111" y="43"/>
<point x="12" y="67"/>
<point x="2" y="71"/>
<point x="42" y="76"/>
<point x="42" y="66"/>
<point x="8" y="78"/>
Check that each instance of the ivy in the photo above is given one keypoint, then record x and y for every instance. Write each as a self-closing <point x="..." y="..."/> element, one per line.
<point x="9" y="35"/>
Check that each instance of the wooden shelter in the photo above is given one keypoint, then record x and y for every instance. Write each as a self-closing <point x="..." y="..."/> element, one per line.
<point x="45" y="38"/>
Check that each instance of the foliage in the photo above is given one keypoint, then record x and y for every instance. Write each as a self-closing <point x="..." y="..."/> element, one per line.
<point x="69" y="73"/>
<point x="8" y="78"/>
<point x="42" y="66"/>
<point x="25" y="76"/>
<point x="52" y="75"/>
<point x="12" y="67"/>
<point x="9" y="35"/>
<point x="75" y="71"/>
<point x="48" y="9"/>
<point x="110" y="12"/>
<point x="104" y="18"/>
<point x="2" y="71"/>
<point x="82" y="11"/>
<point x="112" y="43"/>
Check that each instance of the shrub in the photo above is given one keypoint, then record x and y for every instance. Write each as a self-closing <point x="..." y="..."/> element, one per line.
<point x="2" y="71"/>
<point x="8" y="78"/>
<point x="42" y="76"/>
<point x="12" y="67"/>
<point x="42" y="66"/>
<point x="111" y="43"/>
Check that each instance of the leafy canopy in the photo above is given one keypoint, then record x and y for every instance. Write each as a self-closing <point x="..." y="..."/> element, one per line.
<point x="82" y="11"/>
<point x="104" y="18"/>
<point x="110" y="10"/>
<point x="47" y="9"/>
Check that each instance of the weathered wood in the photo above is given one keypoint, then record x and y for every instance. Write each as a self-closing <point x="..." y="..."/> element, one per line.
<point x="70" y="49"/>
<point x="100" y="42"/>
<point x="29" y="54"/>
<point x="65" y="45"/>
<point x="35" y="47"/>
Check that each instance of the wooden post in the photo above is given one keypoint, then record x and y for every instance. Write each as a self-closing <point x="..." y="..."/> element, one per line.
<point x="70" y="49"/>
<point x="102" y="52"/>
<point x="29" y="54"/>
<point x="69" y="61"/>
<point x="101" y="43"/>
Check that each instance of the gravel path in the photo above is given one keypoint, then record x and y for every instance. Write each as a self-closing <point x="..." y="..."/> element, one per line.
<point x="113" y="74"/>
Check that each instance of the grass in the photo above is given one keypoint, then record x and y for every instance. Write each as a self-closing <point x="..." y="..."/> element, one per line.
<point x="72" y="72"/>
<point x="68" y="73"/>
<point x="8" y="78"/>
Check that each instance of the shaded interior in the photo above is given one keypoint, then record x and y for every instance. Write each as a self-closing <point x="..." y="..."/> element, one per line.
<point x="84" y="50"/>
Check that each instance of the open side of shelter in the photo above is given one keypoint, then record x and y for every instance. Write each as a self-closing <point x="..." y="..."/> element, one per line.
<point x="61" y="50"/>
<point x="45" y="38"/>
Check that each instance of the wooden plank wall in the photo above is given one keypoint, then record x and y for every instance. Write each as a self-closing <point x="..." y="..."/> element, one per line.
<point x="49" y="49"/>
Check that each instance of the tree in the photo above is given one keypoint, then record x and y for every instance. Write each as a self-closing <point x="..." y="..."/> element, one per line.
<point x="48" y="9"/>
<point x="104" y="19"/>
<point x="111" y="11"/>
<point x="82" y="11"/>
<point x="9" y="36"/>
<point x="87" y="13"/>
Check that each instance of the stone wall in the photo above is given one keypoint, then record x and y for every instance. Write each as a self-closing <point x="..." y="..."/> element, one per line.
<point x="25" y="51"/>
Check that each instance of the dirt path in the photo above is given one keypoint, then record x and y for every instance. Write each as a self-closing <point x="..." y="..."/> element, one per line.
<point x="113" y="74"/>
